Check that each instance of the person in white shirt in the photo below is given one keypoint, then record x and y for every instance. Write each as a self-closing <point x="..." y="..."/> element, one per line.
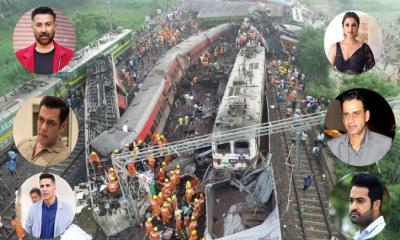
<point x="366" y="198"/>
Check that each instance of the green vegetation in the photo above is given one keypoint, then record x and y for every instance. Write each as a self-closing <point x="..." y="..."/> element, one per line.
<point x="371" y="81"/>
<point x="89" y="18"/>
<point x="314" y="64"/>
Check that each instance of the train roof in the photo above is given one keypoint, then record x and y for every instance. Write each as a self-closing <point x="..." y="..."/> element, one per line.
<point x="90" y="51"/>
<point x="241" y="104"/>
<point x="36" y="87"/>
<point x="230" y="10"/>
<point x="143" y="104"/>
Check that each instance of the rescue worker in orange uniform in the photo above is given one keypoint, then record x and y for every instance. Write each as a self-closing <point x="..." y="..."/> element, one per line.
<point x="161" y="174"/>
<point x="16" y="224"/>
<point x="174" y="202"/>
<point x="169" y="202"/>
<point x="196" y="209"/>
<point x="193" y="235"/>
<point x="166" y="189"/>
<point x="112" y="180"/>
<point x="148" y="225"/>
<point x="165" y="213"/>
<point x="192" y="225"/>
<point x="178" y="221"/>
<point x="189" y="193"/>
<point x="201" y="200"/>
<point x="132" y="169"/>
<point x="177" y="170"/>
<point x="160" y="199"/>
<point x="94" y="158"/>
<point x="155" y="234"/>
<point x="174" y="180"/>
<point x="155" y="207"/>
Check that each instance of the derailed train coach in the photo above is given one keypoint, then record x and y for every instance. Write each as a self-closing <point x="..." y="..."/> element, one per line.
<point x="147" y="114"/>
<point x="241" y="108"/>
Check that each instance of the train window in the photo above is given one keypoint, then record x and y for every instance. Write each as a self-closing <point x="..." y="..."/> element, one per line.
<point x="231" y="91"/>
<point x="251" y="66"/>
<point x="224" y="148"/>
<point x="256" y="65"/>
<point x="242" y="147"/>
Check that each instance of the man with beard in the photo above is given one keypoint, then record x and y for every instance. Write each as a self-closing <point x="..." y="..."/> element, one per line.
<point x="47" y="148"/>
<point x="45" y="56"/>
<point x="50" y="217"/>
<point x="366" y="197"/>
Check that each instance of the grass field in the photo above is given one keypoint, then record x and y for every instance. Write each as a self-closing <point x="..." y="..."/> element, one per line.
<point x="385" y="11"/>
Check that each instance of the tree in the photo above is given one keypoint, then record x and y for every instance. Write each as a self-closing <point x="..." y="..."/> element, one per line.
<point x="370" y="81"/>
<point x="311" y="56"/>
<point x="88" y="27"/>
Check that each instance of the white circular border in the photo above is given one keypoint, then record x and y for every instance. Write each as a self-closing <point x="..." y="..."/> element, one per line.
<point x="334" y="33"/>
<point x="64" y="192"/>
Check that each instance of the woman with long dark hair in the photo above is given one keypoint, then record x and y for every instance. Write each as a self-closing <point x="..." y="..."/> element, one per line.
<point x="351" y="55"/>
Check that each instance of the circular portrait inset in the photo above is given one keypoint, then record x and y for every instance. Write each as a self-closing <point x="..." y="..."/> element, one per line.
<point x="44" y="40"/>
<point x="358" y="205"/>
<point x="45" y="130"/>
<point x="361" y="127"/>
<point x="353" y="42"/>
<point x="46" y="205"/>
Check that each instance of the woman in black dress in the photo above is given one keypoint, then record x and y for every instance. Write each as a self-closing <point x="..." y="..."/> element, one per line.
<point x="351" y="55"/>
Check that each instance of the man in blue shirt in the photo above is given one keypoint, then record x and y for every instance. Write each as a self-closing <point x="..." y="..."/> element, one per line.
<point x="49" y="217"/>
<point x="366" y="197"/>
<point x="12" y="168"/>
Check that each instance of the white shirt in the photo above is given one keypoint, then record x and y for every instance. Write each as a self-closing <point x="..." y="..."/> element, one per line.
<point x="372" y="230"/>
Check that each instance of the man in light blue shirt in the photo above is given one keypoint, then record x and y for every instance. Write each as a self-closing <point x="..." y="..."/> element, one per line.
<point x="49" y="217"/>
<point x="366" y="197"/>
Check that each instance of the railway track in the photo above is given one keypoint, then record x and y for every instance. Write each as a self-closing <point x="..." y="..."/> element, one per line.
<point x="62" y="169"/>
<point x="311" y="204"/>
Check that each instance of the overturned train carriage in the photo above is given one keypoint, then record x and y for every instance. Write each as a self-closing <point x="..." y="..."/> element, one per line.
<point x="147" y="114"/>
